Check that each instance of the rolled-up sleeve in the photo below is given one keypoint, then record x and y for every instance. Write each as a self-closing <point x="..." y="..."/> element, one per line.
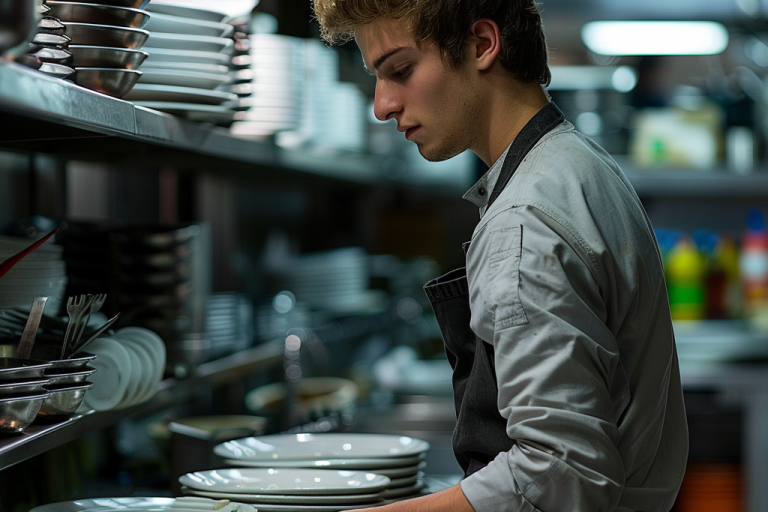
<point x="535" y="295"/>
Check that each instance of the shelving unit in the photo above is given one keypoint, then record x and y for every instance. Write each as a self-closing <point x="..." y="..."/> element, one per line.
<point x="40" y="438"/>
<point x="48" y="115"/>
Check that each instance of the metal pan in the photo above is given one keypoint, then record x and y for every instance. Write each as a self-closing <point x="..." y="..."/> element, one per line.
<point x="106" y="57"/>
<point x="106" y="35"/>
<point x="131" y="4"/>
<point x="98" y="14"/>
<point x="112" y="82"/>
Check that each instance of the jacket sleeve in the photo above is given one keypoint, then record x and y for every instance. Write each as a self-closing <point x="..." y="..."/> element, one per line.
<point x="535" y="296"/>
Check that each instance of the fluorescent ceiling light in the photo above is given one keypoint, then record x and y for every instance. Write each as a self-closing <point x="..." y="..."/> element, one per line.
<point x="577" y="78"/>
<point x="655" y="37"/>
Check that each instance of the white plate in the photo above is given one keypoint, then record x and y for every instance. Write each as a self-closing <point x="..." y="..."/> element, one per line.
<point x="396" y="483"/>
<point x="271" y="507"/>
<point x="194" y="57"/>
<point x="181" y="78"/>
<point x="191" y="43"/>
<point x="155" y="348"/>
<point x="114" y="504"/>
<point x="192" y="111"/>
<point x="369" y="465"/>
<point x="150" y="92"/>
<point x="148" y="367"/>
<point x="136" y="377"/>
<point x="112" y="374"/>
<point x="285" y="481"/>
<point x="394" y="473"/>
<point x="214" y="69"/>
<point x="289" y="500"/>
<point x="321" y="446"/>
<point x="171" y="24"/>
<point x="402" y="491"/>
<point x="187" y="12"/>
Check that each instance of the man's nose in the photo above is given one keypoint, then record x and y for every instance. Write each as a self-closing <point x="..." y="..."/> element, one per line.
<point x="386" y="105"/>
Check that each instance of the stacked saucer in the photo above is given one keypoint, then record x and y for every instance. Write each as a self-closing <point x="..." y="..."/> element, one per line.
<point x="106" y="40"/>
<point x="289" y="489"/>
<point x="188" y="68"/>
<point x="276" y="79"/>
<point x="130" y="365"/>
<point x="399" y="458"/>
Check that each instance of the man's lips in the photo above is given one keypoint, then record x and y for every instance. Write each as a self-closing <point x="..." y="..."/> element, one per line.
<point x="410" y="131"/>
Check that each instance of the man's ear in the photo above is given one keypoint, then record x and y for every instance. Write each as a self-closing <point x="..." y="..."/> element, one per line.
<point x="485" y="42"/>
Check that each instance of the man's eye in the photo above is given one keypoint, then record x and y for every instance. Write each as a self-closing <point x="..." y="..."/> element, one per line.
<point x="402" y="72"/>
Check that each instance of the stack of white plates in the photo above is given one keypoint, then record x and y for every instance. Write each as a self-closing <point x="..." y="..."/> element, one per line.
<point x="229" y="323"/>
<point x="130" y="364"/>
<point x="40" y="273"/>
<point x="289" y="489"/>
<point x="188" y="65"/>
<point x="398" y="458"/>
<point x="277" y="84"/>
<point x="333" y="281"/>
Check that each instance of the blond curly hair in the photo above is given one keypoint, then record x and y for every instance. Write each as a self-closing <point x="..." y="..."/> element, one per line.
<point x="448" y="23"/>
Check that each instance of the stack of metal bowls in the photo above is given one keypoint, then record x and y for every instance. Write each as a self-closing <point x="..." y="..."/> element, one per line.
<point x="106" y="40"/>
<point x="22" y="392"/>
<point x="44" y="387"/>
<point x="48" y="52"/>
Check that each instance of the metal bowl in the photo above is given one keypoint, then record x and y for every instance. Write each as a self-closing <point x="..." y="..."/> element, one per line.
<point x="106" y="35"/>
<point x="13" y="368"/>
<point x="112" y="82"/>
<point x="131" y="4"/>
<point x="63" y="377"/>
<point x="16" y="413"/>
<point x="63" y="400"/>
<point x="50" y="354"/>
<point x="106" y="57"/>
<point x="99" y="14"/>
<point x="23" y="387"/>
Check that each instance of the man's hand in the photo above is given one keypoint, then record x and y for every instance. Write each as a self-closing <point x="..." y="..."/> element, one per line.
<point x="449" y="500"/>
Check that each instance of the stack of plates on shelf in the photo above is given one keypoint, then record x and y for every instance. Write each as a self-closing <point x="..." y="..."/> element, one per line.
<point x="106" y="40"/>
<point x="188" y="68"/>
<point x="40" y="273"/>
<point x="398" y="458"/>
<point x="184" y="504"/>
<point x="334" y="281"/>
<point x="130" y="364"/>
<point x="290" y="489"/>
<point x="276" y="77"/>
<point x="229" y="323"/>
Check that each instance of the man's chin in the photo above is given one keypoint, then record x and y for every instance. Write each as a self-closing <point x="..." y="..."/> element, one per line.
<point x="439" y="154"/>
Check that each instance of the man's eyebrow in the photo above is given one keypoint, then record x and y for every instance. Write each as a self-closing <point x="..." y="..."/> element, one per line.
<point x="380" y="60"/>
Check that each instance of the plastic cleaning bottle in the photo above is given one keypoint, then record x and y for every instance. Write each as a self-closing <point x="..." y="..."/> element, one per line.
<point x="753" y="265"/>
<point x="686" y="269"/>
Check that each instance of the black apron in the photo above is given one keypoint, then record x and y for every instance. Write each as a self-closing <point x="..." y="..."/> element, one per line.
<point x="480" y="433"/>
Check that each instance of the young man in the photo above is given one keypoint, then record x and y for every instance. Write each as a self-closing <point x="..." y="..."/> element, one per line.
<point x="566" y="377"/>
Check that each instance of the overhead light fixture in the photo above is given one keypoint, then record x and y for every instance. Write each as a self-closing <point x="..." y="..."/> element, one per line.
<point x="655" y="37"/>
<point x="577" y="78"/>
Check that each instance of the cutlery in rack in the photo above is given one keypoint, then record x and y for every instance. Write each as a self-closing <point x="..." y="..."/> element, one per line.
<point x="30" y="330"/>
<point x="95" y="335"/>
<point x="75" y="309"/>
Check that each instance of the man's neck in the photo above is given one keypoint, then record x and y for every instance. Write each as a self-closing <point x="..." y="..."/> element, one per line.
<point x="508" y="112"/>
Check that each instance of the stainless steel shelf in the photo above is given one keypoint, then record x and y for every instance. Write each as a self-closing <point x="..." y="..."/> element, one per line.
<point x="42" y="437"/>
<point x="717" y="182"/>
<point x="48" y="115"/>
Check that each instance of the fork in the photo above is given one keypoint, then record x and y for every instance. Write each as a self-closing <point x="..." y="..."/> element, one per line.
<point x="95" y="304"/>
<point x="75" y="309"/>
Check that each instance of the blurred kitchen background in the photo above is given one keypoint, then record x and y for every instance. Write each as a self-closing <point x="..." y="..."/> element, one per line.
<point x="293" y="219"/>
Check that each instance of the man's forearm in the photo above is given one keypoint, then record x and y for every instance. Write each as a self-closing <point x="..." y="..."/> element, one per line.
<point x="449" y="500"/>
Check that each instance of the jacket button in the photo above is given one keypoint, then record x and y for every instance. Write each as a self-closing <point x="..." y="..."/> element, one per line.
<point x="481" y="191"/>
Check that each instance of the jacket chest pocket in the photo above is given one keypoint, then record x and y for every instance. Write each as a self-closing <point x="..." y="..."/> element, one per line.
<point x="503" y="279"/>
